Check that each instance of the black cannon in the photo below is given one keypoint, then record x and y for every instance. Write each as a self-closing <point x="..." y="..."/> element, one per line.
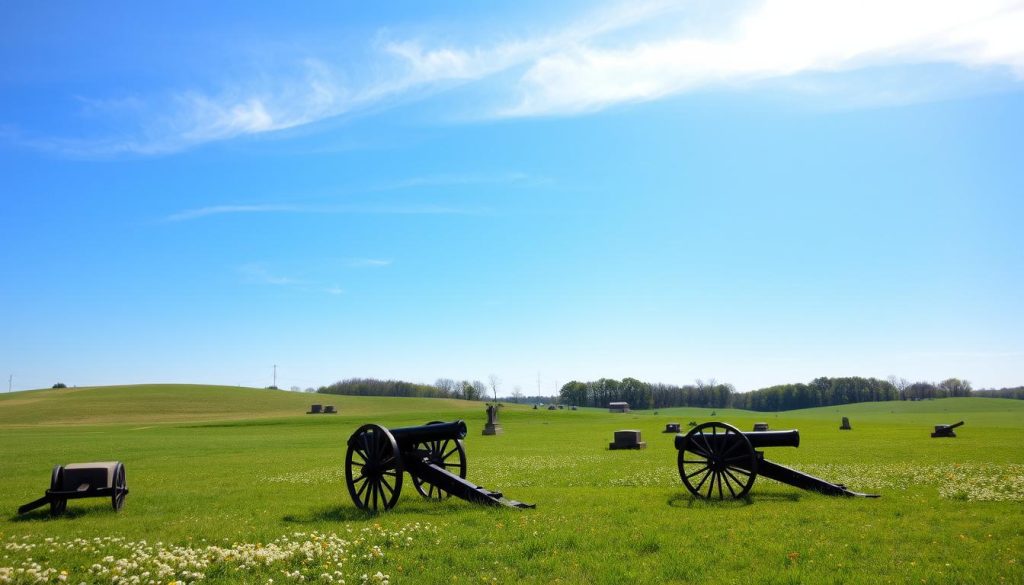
<point x="946" y="430"/>
<point x="716" y="459"/>
<point x="432" y="455"/>
<point x="104" y="479"/>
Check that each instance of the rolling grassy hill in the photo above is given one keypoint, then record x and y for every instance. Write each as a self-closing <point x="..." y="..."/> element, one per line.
<point x="155" y="403"/>
<point x="225" y="481"/>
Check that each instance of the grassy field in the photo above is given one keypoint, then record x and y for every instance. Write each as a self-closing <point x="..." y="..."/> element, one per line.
<point x="232" y="485"/>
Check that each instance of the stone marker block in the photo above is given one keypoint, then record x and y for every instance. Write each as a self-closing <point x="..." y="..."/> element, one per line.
<point x="627" y="439"/>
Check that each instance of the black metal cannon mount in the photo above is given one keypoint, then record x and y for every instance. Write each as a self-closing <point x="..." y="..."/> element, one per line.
<point x="105" y="479"/>
<point x="946" y="430"/>
<point x="432" y="455"/>
<point x="717" y="461"/>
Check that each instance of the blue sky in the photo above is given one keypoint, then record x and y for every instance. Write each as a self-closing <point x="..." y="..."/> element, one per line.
<point x="759" y="192"/>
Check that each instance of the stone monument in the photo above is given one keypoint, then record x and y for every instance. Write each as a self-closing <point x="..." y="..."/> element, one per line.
<point x="493" y="427"/>
<point x="846" y="425"/>
<point x="761" y="426"/>
<point x="671" y="427"/>
<point x="628" y="439"/>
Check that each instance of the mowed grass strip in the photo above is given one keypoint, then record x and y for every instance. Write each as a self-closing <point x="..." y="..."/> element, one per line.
<point x="602" y="517"/>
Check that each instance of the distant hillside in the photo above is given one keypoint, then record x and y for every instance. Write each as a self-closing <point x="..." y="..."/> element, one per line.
<point x="188" y="402"/>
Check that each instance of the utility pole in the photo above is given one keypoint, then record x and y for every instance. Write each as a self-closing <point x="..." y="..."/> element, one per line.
<point x="275" y="375"/>
<point x="10" y="382"/>
<point x="538" y="383"/>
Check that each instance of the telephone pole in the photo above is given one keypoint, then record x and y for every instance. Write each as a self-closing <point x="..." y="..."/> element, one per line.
<point x="275" y="375"/>
<point x="10" y="382"/>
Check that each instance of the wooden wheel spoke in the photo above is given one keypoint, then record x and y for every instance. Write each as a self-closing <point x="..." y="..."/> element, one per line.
<point x="728" y="484"/>
<point x="368" y="446"/>
<point x="734" y="478"/>
<point x="696" y="461"/>
<point x="703" y="479"/>
<point x="698" y="451"/>
<point x="387" y="485"/>
<point x="710" y="451"/>
<point x="721" y="496"/>
<point x="737" y="458"/>
<point x="701" y="470"/>
<point x="739" y="469"/>
<point x="365" y="493"/>
<point x="359" y="479"/>
<point x="359" y="492"/>
<point x="711" y="484"/>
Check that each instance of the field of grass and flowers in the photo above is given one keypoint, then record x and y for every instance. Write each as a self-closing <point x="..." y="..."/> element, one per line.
<point x="234" y="485"/>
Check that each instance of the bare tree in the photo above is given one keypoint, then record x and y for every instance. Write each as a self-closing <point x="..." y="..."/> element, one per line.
<point x="479" y="390"/>
<point x="495" y="382"/>
<point x="517" y="393"/>
<point x="446" y="386"/>
<point x="901" y="385"/>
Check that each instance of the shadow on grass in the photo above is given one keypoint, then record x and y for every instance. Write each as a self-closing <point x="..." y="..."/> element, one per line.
<point x="332" y="514"/>
<point x="688" y="500"/>
<point x="353" y="514"/>
<point x="43" y="514"/>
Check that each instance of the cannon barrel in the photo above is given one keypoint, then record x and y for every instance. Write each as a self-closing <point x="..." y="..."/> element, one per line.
<point x="955" y="425"/>
<point x="406" y="436"/>
<point x="758" y="439"/>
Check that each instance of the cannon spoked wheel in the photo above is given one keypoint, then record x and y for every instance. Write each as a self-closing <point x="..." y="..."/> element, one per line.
<point x="716" y="461"/>
<point x="373" y="468"/>
<point x="120" y="488"/>
<point x="57" y="505"/>
<point x="442" y="454"/>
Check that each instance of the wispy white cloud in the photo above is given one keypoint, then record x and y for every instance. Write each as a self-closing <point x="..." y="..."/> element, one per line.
<point x="626" y="52"/>
<point x="367" y="262"/>
<point x="426" y="209"/>
<point x="259" y="274"/>
<point x="449" y="180"/>
<point x="776" y="39"/>
<point x="225" y="209"/>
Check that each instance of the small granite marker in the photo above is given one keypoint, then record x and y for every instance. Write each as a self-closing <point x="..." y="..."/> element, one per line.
<point x="493" y="427"/>
<point x="627" y="439"/>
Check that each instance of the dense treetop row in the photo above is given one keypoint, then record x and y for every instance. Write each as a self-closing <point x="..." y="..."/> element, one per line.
<point x="703" y="393"/>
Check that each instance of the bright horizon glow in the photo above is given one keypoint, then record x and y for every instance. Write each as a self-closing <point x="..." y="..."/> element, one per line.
<point x="761" y="192"/>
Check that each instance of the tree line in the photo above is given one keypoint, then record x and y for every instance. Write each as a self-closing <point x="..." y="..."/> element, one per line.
<point x="710" y="393"/>
<point x="821" y="391"/>
<point x="442" y="388"/>
<point x="643" y="395"/>
<point x="1016" y="393"/>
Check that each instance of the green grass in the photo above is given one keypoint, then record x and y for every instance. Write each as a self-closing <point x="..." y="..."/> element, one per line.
<point x="227" y="466"/>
